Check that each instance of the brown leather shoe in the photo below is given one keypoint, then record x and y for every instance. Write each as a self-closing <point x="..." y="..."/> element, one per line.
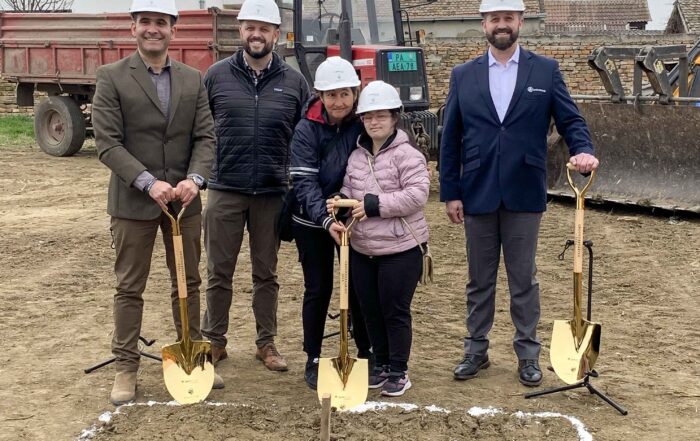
<point x="217" y="354"/>
<point x="124" y="389"/>
<point x="271" y="358"/>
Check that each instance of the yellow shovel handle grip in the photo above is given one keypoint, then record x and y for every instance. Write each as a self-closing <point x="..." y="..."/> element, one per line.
<point x="345" y="203"/>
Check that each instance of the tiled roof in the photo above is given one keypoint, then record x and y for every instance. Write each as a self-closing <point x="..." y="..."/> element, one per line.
<point x="456" y="8"/>
<point x="690" y="12"/>
<point x="594" y="15"/>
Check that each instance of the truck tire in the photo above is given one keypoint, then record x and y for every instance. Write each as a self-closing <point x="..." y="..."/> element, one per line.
<point x="59" y="126"/>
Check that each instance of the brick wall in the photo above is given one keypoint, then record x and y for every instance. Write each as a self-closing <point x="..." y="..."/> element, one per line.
<point x="442" y="56"/>
<point x="571" y="52"/>
<point x="8" y="100"/>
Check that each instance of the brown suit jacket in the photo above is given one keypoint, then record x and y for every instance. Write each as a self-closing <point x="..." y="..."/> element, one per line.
<point x="132" y="134"/>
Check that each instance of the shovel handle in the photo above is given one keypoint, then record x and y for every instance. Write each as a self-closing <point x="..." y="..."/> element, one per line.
<point x="344" y="203"/>
<point x="180" y="267"/>
<point x="179" y="253"/>
<point x="578" y="249"/>
<point x="571" y="167"/>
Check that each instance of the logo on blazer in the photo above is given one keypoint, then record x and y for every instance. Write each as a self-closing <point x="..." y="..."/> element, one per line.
<point x="532" y="89"/>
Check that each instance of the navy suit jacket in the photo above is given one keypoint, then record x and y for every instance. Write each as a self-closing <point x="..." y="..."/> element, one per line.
<point x="486" y="163"/>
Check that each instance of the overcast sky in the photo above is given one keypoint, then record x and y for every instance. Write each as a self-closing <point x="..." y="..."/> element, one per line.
<point x="660" y="11"/>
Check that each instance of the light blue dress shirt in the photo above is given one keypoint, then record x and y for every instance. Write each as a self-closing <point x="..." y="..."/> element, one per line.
<point x="502" y="79"/>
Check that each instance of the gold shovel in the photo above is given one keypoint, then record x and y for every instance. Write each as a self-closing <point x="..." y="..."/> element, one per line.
<point x="187" y="368"/>
<point x="344" y="378"/>
<point x="575" y="343"/>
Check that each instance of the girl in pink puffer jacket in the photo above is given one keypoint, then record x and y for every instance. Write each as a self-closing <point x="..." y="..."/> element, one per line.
<point x="390" y="179"/>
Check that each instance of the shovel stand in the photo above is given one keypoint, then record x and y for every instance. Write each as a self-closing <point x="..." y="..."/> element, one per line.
<point x="102" y="364"/>
<point x="583" y="383"/>
<point x="586" y="379"/>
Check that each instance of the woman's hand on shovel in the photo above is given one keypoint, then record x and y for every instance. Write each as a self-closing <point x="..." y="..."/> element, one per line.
<point x="162" y="193"/>
<point x="336" y="230"/>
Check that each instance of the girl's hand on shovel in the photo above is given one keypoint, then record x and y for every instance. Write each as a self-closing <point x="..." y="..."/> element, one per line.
<point x="163" y="193"/>
<point x="186" y="191"/>
<point x="358" y="211"/>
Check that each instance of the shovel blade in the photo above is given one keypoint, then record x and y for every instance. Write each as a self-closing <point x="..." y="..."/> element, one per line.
<point x="344" y="394"/>
<point x="188" y="371"/>
<point x="570" y="358"/>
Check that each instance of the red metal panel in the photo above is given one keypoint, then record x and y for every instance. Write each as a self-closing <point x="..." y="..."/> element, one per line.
<point x="68" y="61"/>
<point x="91" y="60"/>
<point x="68" y="48"/>
<point x="110" y="55"/>
<point x="15" y="61"/>
<point x="41" y="61"/>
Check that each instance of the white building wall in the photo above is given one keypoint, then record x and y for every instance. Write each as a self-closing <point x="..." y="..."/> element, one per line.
<point x="94" y="6"/>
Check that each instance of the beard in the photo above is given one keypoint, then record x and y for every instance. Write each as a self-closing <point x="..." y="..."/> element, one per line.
<point x="502" y="43"/>
<point x="262" y="52"/>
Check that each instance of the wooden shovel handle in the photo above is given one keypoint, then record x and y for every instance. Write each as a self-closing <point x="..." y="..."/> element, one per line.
<point x="345" y="203"/>
<point x="179" y="253"/>
<point x="344" y="275"/>
<point x="180" y="267"/>
<point x="578" y="221"/>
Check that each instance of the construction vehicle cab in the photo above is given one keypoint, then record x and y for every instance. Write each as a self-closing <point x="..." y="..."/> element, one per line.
<point x="369" y="34"/>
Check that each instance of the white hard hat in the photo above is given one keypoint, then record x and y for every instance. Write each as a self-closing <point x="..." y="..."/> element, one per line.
<point x="335" y="73"/>
<point x="162" y="6"/>
<point x="260" y="10"/>
<point x="378" y="95"/>
<point x="501" y="5"/>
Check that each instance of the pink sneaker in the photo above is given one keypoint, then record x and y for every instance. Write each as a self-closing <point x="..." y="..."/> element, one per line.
<point x="378" y="376"/>
<point x="396" y="385"/>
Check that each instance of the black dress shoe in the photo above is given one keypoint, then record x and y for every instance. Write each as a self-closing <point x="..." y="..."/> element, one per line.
<point x="529" y="373"/>
<point x="470" y="366"/>
<point x="311" y="373"/>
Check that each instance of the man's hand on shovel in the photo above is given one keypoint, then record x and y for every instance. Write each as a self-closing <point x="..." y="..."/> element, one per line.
<point x="186" y="191"/>
<point x="163" y="193"/>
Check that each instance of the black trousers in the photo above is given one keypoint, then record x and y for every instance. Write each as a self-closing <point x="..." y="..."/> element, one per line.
<point x="385" y="286"/>
<point x="317" y="251"/>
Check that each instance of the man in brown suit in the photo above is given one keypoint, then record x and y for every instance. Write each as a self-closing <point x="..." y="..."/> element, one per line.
<point x="154" y="130"/>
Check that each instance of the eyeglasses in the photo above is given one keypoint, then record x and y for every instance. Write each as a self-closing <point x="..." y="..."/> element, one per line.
<point x="382" y="117"/>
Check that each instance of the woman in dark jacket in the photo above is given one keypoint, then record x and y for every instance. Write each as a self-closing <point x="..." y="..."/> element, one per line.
<point x="322" y="143"/>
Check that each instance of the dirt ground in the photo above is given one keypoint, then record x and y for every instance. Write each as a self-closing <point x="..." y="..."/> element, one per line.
<point x="57" y="283"/>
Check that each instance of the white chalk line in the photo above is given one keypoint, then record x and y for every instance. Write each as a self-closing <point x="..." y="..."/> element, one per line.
<point x="476" y="412"/>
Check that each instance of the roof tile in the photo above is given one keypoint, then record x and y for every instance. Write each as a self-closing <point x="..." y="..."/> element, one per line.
<point x="594" y="15"/>
<point x="456" y="8"/>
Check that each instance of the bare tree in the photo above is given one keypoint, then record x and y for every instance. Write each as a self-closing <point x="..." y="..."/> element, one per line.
<point x="36" y="5"/>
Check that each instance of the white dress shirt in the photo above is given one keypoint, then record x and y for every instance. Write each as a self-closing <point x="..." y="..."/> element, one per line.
<point x="502" y="79"/>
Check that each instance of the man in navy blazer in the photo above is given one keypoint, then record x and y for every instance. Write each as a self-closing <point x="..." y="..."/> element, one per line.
<point x="493" y="161"/>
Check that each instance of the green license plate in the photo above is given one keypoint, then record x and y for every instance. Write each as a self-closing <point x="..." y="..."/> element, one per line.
<point x="402" y="61"/>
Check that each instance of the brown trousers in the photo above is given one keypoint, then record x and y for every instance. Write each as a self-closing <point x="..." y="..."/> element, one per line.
<point x="225" y="218"/>
<point x="133" y="241"/>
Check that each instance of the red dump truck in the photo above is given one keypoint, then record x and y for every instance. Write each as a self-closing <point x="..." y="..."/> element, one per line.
<point x="58" y="54"/>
